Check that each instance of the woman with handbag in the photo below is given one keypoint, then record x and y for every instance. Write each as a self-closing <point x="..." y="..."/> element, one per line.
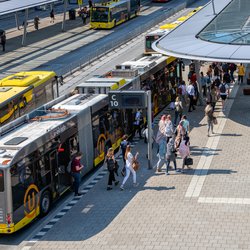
<point x="129" y="167"/>
<point x="111" y="165"/>
<point x="184" y="152"/>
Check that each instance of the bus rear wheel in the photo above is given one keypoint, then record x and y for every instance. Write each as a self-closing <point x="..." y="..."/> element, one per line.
<point x="45" y="203"/>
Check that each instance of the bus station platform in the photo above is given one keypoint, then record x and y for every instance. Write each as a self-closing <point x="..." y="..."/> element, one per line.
<point x="204" y="208"/>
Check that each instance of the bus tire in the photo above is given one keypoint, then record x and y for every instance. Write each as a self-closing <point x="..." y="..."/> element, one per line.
<point x="45" y="203"/>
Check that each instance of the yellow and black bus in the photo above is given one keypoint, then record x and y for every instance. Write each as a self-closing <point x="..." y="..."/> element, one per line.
<point x="108" y="15"/>
<point x="42" y="143"/>
<point x="24" y="91"/>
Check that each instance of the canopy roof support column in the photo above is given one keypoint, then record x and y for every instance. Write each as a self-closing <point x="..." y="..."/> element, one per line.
<point x="25" y="27"/>
<point x="64" y="14"/>
<point x="197" y="72"/>
<point x="17" y="20"/>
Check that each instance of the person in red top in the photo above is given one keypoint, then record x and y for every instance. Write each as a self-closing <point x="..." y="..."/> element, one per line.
<point x="76" y="168"/>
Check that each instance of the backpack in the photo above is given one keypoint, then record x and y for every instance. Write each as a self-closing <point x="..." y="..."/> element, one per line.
<point x="110" y="164"/>
<point x="178" y="108"/>
<point x="179" y="91"/>
<point x="171" y="147"/>
<point x="169" y="128"/>
<point x="223" y="88"/>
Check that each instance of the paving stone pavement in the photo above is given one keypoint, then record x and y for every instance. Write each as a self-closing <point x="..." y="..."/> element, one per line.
<point x="157" y="214"/>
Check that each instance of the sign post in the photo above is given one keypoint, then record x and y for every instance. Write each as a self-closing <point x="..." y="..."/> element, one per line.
<point x="149" y="110"/>
<point x="134" y="99"/>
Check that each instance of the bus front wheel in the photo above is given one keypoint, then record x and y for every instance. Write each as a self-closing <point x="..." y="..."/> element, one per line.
<point x="45" y="203"/>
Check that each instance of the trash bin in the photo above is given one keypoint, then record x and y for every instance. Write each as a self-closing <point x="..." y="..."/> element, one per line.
<point x="72" y="14"/>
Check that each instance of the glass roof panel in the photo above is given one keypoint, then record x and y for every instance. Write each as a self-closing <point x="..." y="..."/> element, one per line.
<point x="231" y="25"/>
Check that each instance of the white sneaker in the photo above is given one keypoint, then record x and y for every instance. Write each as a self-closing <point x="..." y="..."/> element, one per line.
<point x="136" y="184"/>
<point x="121" y="188"/>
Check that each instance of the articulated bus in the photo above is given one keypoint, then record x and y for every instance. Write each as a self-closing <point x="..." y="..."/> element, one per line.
<point x="35" y="149"/>
<point x="153" y="36"/>
<point x="108" y="15"/>
<point x="24" y="91"/>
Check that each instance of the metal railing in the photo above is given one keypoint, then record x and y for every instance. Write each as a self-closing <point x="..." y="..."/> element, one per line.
<point x="105" y="49"/>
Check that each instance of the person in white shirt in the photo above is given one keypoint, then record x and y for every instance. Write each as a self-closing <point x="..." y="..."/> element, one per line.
<point x="129" y="167"/>
<point x="190" y="92"/>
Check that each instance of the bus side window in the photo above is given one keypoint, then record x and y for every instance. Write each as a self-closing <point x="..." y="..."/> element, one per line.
<point x="21" y="178"/>
<point x="74" y="146"/>
<point x="4" y="110"/>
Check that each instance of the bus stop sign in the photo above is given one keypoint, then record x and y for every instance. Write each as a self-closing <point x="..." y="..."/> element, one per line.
<point x="127" y="99"/>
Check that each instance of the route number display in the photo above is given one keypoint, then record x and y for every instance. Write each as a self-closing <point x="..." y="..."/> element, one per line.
<point x="127" y="99"/>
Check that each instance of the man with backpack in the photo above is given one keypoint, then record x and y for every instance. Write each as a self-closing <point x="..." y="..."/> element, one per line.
<point x="223" y="93"/>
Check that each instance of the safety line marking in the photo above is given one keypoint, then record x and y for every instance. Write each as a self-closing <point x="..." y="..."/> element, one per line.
<point x="199" y="177"/>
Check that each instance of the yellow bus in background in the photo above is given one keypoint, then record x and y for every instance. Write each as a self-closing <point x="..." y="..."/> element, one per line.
<point x="23" y="91"/>
<point x="108" y="15"/>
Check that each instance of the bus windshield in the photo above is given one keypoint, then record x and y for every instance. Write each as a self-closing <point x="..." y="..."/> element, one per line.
<point x="99" y="14"/>
<point x="1" y="181"/>
<point x="150" y="39"/>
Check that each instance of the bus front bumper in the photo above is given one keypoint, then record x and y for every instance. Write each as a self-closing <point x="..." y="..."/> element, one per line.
<point x="5" y="229"/>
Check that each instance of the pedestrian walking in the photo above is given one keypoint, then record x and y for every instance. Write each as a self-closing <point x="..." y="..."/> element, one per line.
<point x="111" y="165"/>
<point x="138" y="123"/>
<point x="223" y="88"/>
<point x="232" y="68"/>
<point x="203" y="80"/>
<point x="3" y="41"/>
<point x="169" y="128"/>
<point x="76" y="168"/>
<point x="52" y="16"/>
<point x="123" y="147"/>
<point x="129" y="167"/>
<point x="183" y="93"/>
<point x="184" y="151"/>
<point x="241" y="73"/>
<point x="171" y="155"/>
<point x="185" y="124"/>
<point x="161" y="154"/>
<point x="180" y="134"/>
<point x="84" y="15"/>
<point x="190" y="92"/>
<point x="178" y="110"/>
<point x="210" y="117"/>
<point x="36" y="22"/>
<point x="212" y="96"/>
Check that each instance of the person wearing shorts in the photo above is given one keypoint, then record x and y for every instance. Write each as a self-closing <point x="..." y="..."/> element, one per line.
<point x="223" y="93"/>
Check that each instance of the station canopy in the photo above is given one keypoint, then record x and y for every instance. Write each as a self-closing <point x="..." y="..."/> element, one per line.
<point x="212" y="34"/>
<point x="11" y="6"/>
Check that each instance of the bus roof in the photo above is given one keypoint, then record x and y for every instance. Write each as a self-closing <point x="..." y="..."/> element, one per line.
<point x="110" y="4"/>
<point x="158" y="32"/>
<point x="24" y="79"/>
<point x="8" y="94"/>
<point x="21" y="136"/>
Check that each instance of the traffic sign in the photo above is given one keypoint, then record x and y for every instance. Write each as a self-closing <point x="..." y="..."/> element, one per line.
<point x="127" y="99"/>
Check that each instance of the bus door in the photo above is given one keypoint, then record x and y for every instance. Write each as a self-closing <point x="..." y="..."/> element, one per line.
<point x="56" y="182"/>
<point x="2" y="199"/>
